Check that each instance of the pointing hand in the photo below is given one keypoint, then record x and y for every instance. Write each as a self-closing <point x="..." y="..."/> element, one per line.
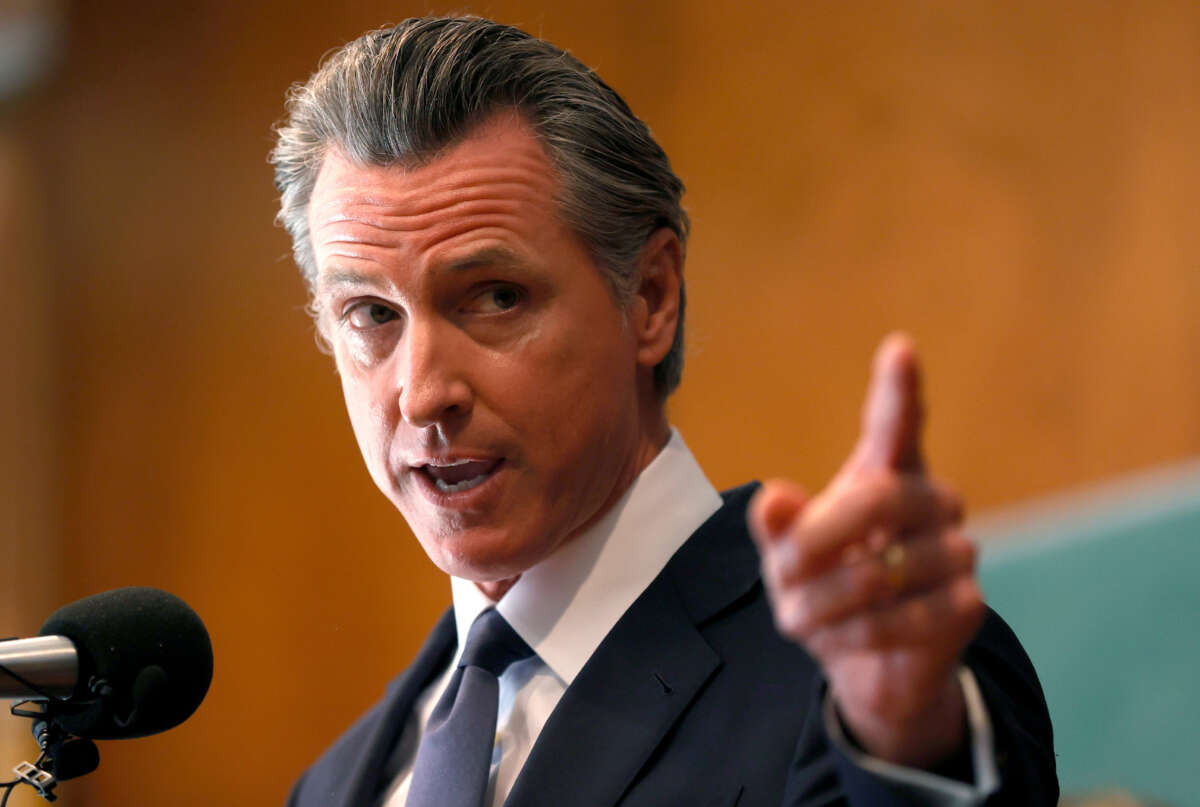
<point x="873" y="577"/>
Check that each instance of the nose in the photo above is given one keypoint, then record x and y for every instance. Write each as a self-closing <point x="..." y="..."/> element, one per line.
<point x="432" y="379"/>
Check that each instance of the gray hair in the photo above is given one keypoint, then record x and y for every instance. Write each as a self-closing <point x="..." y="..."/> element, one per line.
<point x="404" y="94"/>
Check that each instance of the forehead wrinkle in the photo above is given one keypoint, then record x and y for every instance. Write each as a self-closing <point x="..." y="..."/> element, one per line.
<point x="363" y="212"/>
<point x="446" y="196"/>
<point x="343" y="237"/>
<point x="488" y="229"/>
<point x="465" y="201"/>
<point x="479" y="228"/>
<point x="428" y="230"/>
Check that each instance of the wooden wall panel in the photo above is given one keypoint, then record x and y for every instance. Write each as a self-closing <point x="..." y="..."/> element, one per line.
<point x="1014" y="183"/>
<point x="30" y="412"/>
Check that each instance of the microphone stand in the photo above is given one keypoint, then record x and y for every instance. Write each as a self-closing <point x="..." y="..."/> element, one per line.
<point x="63" y="755"/>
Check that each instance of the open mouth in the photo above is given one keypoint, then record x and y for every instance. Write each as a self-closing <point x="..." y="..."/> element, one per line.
<point x="455" y="476"/>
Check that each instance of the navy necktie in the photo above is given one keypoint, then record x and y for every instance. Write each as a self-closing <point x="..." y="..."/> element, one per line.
<point x="455" y="753"/>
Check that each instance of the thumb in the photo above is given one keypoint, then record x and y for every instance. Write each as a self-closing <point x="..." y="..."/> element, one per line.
<point x="773" y="509"/>
<point x="892" y="413"/>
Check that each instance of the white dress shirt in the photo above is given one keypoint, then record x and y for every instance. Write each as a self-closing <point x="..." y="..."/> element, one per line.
<point x="564" y="607"/>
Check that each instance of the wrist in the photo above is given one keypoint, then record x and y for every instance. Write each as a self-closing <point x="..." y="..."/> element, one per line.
<point x="922" y="739"/>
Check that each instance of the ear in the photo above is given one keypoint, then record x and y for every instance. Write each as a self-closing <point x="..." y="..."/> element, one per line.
<point x="655" y="305"/>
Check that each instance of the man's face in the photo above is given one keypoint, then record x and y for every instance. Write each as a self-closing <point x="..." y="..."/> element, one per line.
<point x="490" y="377"/>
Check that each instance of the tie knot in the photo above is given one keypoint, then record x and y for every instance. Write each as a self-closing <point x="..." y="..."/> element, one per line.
<point x="492" y="644"/>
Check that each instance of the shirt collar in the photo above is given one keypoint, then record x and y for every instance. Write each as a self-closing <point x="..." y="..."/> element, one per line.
<point x="565" y="605"/>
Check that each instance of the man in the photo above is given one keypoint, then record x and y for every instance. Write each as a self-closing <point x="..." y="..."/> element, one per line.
<point x="495" y="248"/>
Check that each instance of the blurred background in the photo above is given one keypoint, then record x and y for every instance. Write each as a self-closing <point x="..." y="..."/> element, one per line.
<point x="1017" y="184"/>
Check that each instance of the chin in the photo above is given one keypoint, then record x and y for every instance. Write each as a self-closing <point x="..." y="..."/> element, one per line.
<point x="482" y="558"/>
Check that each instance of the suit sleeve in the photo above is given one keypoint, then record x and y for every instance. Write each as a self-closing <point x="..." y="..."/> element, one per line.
<point x="294" y="796"/>
<point x="1022" y="739"/>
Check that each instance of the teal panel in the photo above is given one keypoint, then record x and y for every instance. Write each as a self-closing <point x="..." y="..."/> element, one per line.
<point x="1108" y="606"/>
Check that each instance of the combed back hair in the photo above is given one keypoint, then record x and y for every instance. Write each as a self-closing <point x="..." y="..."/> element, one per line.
<point x="403" y="95"/>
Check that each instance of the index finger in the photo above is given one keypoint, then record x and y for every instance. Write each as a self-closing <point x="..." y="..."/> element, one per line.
<point x="893" y="412"/>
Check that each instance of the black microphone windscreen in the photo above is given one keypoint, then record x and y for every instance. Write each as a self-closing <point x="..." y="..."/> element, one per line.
<point x="74" y="758"/>
<point x="118" y="635"/>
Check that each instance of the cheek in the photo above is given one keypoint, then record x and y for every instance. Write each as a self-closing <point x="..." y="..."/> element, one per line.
<point x="559" y="373"/>
<point x="368" y="419"/>
<point x="576" y="394"/>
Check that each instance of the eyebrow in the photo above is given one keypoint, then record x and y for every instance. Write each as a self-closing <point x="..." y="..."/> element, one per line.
<point x="339" y="276"/>
<point x="485" y="257"/>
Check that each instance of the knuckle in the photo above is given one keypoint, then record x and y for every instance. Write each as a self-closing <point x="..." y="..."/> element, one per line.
<point x="881" y="701"/>
<point x="970" y="551"/>
<point x="922" y="621"/>
<point x="870" y="583"/>
<point x="784" y="561"/>
<point x="821" y="643"/>
<point x="971" y="593"/>
<point x="804" y="561"/>
<point x="784" y="626"/>
<point x="950" y="501"/>
<point x="793" y="617"/>
<point x="975" y="595"/>
<point x="867" y="632"/>
<point x="960" y="550"/>
<point x="969" y="603"/>
<point x="770" y="578"/>
<point x="877" y="494"/>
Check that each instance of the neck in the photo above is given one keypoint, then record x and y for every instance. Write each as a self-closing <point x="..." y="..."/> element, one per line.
<point x="655" y="433"/>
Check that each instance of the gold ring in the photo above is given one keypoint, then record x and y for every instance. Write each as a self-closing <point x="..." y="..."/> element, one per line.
<point x="893" y="557"/>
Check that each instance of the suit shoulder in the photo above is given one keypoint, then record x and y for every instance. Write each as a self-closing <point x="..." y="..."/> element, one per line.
<point x="325" y="779"/>
<point x="357" y="758"/>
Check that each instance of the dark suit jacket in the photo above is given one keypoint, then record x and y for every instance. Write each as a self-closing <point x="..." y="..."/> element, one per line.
<point x="694" y="700"/>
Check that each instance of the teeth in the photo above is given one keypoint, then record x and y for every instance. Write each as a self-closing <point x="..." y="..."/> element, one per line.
<point x="455" y="487"/>
<point x="450" y="464"/>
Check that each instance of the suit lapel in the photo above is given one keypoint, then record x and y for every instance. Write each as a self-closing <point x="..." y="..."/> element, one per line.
<point x="365" y="779"/>
<point x="644" y="674"/>
<point x="614" y="714"/>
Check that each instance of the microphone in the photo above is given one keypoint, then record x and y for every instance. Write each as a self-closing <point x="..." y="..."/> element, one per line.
<point x="125" y="663"/>
<point x="48" y="662"/>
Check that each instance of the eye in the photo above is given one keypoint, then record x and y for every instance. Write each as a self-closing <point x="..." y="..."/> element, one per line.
<point x="370" y="315"/>
<point x="496" y="299"/>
